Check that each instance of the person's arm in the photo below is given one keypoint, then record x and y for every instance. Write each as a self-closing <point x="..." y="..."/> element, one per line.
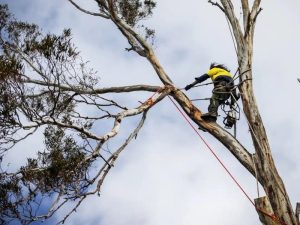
<point x="202" y="78"/>
<point x="197" y="80"/>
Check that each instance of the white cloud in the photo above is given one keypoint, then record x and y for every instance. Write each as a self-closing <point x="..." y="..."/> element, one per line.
<point x="167" y="176"/>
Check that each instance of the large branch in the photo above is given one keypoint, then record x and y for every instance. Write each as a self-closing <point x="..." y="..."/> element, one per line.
<point x="79" y="90"/>
<point x="131" y="35"/>
<point x="266" y="169"/>
<point x="237" y="31"/>
<point x="121" y="23"/>
<point x="101" y="175"/>
<point x="159" y="95"/>
<point x="99" y="178"/>
<point x="227" y="139"/>
<point x="231" y="143"/>
<point x="253" y="15"/>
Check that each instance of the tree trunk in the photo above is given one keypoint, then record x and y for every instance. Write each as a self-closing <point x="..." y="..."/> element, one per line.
<point x="265" y="167"/>
<point x="264" y="208"/>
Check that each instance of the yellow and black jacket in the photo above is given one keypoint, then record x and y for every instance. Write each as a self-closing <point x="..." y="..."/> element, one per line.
<point x="215" y="74"/>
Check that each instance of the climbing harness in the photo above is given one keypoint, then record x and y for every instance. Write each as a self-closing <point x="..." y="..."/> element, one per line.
<point x="232" y="115"/>
<point x="230" y="107"/>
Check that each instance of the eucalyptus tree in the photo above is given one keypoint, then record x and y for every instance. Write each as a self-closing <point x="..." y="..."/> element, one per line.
<point x="45" y="83"/>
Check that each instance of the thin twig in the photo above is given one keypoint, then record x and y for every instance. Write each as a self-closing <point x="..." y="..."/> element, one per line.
<point x="255" y="17"/>
<point x="217" y="4"/>
<point x="88" y="12"/>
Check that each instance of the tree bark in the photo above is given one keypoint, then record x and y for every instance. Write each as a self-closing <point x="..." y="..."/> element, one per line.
<point x="266" y="169"/>
<point x="263" y="203"/>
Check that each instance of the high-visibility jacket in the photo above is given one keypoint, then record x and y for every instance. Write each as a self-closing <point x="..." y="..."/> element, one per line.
<point x="216" y="72"/>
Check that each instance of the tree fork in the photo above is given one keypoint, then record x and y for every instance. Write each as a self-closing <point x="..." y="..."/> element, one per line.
<point x="266" y="169"/>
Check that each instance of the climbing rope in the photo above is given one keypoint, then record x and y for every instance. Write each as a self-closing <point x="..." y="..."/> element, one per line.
<point x="257" y="141"/>
<point x="212" y="151"/>
<point x="273" y="217"/>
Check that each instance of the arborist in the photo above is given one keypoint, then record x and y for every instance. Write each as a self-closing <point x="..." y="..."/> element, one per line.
<point x="223" y="88"/>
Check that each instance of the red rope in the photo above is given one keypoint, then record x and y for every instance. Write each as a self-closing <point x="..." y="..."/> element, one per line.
<point x="273" y="217"/>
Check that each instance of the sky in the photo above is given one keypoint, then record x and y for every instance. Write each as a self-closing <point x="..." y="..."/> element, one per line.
<point x="167" y="175"/>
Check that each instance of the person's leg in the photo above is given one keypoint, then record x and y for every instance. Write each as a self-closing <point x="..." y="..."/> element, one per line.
<point x="214" y="104"/>
<point x="212" y="108"/>
<point x="220" y="94"/>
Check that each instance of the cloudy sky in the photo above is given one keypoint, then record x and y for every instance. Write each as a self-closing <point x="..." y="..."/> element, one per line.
<point x="167" y="176"/>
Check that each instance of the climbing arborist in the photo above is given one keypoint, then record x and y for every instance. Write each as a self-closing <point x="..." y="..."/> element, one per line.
<point x="223" y="87"/>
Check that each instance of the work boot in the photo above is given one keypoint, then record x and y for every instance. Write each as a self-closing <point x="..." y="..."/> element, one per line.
<point x="210" y="116"/>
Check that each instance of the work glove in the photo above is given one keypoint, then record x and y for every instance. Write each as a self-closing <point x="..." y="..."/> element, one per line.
<point x="187" y="87"/>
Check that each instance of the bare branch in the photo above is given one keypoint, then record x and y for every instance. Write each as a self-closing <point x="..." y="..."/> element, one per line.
<point x="217" y="4"/>
<point x="103" y="172"/>
<point x="73" y="210"/>
<point x="256" y="5"/>
<point x="52" y="121"/>
<point x="256" y="14"/>
<point x="116" y="154"/>
<point x="230" y="142"/>
<point x="79" y="90"/>
<point x="88" y="12"/>
<point x="102" y="3"/>
<point x="134" y="37"/>
<point x="158" y="96"/>
<point x="255" y="10"/>
<point x="238" y="34"/>
<point x="246" y="13"/>
<point x="116" y="127"/>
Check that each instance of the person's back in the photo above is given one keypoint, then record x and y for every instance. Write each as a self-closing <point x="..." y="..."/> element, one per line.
<point x="223" y="84"/>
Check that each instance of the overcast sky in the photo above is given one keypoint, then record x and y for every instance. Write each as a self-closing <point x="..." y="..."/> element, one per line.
<point x="167" y="176"/>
